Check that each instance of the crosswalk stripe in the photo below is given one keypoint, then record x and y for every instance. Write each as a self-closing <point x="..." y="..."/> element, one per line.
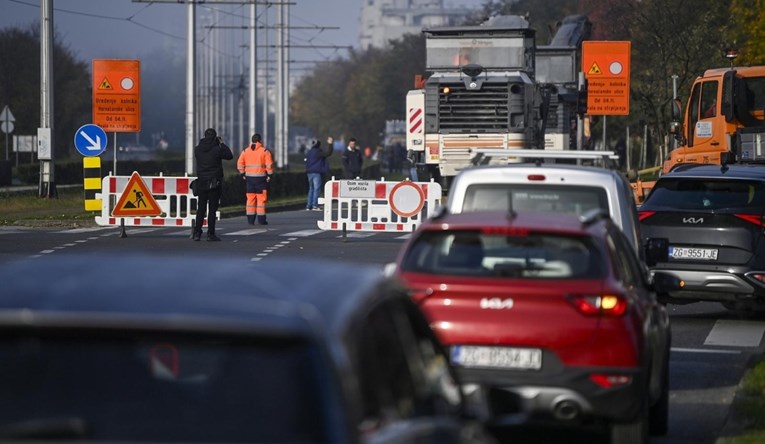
<point x="84" y="230"/>
<point x="736" y="333"/>
<point x="359" y="234"/>
<point x="303" y="233"/>
<point x="247" y="232"/>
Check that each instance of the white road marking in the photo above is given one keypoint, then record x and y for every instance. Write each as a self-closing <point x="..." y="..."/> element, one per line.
<point x="303" y="233"/>
<point x="359" y="234"/>
<point x="84" y="230"/>
<point x="140" y="230"/>
<point x="69" y="245"/>
<point x="736" y="333"/>
<point x="47" y="251"/>
<point x="406" y="236"/>
<point x="247" y="232"/>
<point x="255" y="259"/>
<point x="705" y="350"/>
<point x="81" y="241"/>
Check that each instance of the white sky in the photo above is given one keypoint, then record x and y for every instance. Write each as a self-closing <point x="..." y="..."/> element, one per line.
<point x="97" y="29"/>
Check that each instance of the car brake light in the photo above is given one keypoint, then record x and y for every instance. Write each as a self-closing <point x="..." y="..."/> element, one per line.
<point x="752" y="218"/>
<point x="608" y="305"/>
<point x="536" y="177"/>
<point x="608" y="381"/>
<point x="645" y="214"/>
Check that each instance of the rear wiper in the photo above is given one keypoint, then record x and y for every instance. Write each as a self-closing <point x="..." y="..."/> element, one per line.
<point x="46" y="428"/>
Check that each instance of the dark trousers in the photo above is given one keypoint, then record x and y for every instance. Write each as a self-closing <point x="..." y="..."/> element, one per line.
<point x="211" y="199"/>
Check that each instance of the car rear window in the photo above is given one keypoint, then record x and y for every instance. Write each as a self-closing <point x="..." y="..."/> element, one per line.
<point x="538" y="197"/>
<point x="707" y="194"/>
<point x="504" y="254"/>
<point x="162" y="389"/>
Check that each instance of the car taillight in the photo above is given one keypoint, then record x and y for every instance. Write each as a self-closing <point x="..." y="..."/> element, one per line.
<point x="645" y="214"/>
<point x="536" y="177"/>
<point x="752" y="218"/>
<point x="608" y="381"/>
<point x="607" y="304"/>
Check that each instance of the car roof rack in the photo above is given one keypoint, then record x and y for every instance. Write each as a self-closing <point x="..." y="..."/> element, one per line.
<point x="607" y="159"/>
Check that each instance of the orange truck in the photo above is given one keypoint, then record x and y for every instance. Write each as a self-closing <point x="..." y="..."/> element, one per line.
<point x="724" y="121"/>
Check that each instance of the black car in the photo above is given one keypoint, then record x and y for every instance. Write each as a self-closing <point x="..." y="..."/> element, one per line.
<point x="145" y="348"/>
<point x="711" y="219"/>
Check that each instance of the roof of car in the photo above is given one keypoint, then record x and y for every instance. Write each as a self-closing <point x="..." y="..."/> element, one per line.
<point x="743" y="171"/>
<point x="208" y="292"/>
<point x="553" y="222"/>
<point x="584" y="169"/>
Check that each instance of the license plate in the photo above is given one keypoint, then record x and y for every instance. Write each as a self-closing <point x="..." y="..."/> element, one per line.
<point x="700" y="254"/>
<point x="497" y="357"/>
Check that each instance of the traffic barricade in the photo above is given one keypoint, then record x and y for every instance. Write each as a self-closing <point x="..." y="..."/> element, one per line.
<point x="148" y="201"/>
<point x="370" y="205"/>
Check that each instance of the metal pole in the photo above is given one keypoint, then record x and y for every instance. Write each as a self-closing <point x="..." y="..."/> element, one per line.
<point x="278" y="115"/>
<point x="190" y="85"/>
<point x="627" y="149"/>
<point x="265" y="80"/>
<point x="604" y="134"/>
<point x="579" y="118"/>
<point x="286" y="91"/>
<point x="674" y="97"/>
<point x="253" y="92"/>
<point x="114" y="155"/>
<point x="47" y="186"/>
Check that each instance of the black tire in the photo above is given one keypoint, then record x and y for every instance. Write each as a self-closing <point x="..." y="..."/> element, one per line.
<point x="635" y="432"/>
<point x="659" y="413"/>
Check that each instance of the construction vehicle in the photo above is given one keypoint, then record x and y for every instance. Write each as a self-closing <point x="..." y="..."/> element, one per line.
<point x="491" y="87"/>
<point x="723" y="122"/>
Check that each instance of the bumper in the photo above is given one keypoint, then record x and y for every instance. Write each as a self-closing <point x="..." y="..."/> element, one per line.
<point x="713" y="285"/>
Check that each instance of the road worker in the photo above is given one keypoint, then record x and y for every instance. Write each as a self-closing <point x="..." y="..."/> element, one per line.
<point x="255" y="164"/>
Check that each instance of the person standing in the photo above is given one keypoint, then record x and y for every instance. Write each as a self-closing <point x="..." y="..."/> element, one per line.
<point x="316" y="165"/>
<point x="256" y="165"/>
<point x="352" y="160"/>
<point x="209" y="154"/>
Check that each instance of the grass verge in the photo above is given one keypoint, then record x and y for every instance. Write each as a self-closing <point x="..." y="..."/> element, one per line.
<point x="749" y="408"/>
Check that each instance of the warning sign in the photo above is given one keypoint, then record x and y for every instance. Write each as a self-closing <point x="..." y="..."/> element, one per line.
<point x="136" y="200"/>
<point x="105" y="84"/>
<point x="608" y="77"/>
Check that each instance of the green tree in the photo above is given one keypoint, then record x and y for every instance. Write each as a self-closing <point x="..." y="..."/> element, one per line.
<point x="20" y="87"/>
<point x="748" y="31"/>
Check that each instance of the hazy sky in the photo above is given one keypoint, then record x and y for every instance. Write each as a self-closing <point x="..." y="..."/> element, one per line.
<point x="95" y="29"/>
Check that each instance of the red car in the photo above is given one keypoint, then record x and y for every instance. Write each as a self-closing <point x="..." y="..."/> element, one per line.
<point x="548" y="315"/>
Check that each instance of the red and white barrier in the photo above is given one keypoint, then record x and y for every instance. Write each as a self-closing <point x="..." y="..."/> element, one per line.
<point x="172" y="195"/>
<point x="368" y="205"/>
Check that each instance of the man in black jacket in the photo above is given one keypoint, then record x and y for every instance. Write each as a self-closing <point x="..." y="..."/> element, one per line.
<point x="209" y="154"/>
<point x="352" y="160"/>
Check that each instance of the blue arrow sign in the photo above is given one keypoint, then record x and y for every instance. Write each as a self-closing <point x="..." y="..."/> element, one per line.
<point x="90" y="140"/>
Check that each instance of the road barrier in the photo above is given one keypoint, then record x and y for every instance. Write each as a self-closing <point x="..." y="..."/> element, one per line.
<point x="147" y="201"/>
<point x="369" y="205"/>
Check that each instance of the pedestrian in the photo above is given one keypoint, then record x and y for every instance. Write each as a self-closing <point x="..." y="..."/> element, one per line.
<point x="209" y="154"/>
<point x="315" y="167"/>
<point x="352" y="160"/>
<point x="256" y="165"/>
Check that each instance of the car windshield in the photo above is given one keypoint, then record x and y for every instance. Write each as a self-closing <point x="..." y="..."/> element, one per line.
<point x="708" y="195"/>
<point x="513" y="254"/>
<point x="545" y="198"/>
<point x="161" y="389"/>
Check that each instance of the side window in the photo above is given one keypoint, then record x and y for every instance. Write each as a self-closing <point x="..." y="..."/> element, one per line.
<point x="708" y="99"/>
<point x="629" y="258"/>
<point x="621" y="266"/>
<point x="693" y="117"/>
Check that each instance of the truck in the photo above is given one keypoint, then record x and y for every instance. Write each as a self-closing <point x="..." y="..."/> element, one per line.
<point x="723" y="121"/>
<point x="491" y="87"/>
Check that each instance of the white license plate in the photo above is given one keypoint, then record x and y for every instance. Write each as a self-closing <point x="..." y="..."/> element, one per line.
<point x="497" y="357"/>
<point x="699" y="254"/>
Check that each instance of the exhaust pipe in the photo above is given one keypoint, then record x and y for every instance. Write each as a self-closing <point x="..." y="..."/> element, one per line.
<point x="566" y="410"/>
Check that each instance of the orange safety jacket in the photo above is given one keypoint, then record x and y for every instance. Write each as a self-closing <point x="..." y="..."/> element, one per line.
<point x="256" y="165"/>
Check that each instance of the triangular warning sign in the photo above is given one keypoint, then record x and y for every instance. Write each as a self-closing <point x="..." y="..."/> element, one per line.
<point x="594" y="69"/>
<point x="136" y="200"/>
<point x="105" y="84"/>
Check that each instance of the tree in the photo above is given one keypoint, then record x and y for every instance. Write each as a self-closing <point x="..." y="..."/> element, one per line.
<point x="748" y="30"/>
<point x="20" y="87"/>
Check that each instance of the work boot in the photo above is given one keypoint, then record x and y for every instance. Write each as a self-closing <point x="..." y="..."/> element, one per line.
<point x="211" y="237"/>
<point x="197" y="236"/>
<point x="251" y="219"/>
<point x="262" y="220"/>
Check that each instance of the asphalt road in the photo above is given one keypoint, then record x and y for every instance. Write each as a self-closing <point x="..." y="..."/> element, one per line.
<point x="710" y="350"/>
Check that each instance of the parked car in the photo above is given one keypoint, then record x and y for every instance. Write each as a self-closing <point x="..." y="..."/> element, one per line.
<point x="540" y="186"/>
<point x="548" y="315"/>
<point x="711" y="219"/>
<point x="161" y="349"/>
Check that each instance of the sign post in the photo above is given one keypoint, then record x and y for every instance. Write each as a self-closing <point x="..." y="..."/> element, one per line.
<point x="607" y="68"/>
<point x="6" y="125"/>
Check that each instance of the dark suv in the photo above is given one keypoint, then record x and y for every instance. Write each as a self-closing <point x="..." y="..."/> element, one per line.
<point x="711" y="218"/>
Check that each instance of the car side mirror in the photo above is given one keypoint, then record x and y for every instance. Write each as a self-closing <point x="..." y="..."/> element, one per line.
<point x="664" y="282"/>
<point x="656" y="250"/>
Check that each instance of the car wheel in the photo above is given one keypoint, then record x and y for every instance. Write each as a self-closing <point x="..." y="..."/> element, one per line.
<point x="635" y="432"/>
<point x="659" y="414"/>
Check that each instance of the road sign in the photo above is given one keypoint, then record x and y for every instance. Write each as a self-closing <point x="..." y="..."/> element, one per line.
<point x="117" y="95"/>
<point x="6" y="127"/>
<point x="136" y="200"/>
<point x="607" y="68"/>
<point x="90" y="140"/>
<point x="6" y="115"/>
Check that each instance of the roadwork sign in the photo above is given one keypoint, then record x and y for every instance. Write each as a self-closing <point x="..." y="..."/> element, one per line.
<point x="117" y="95"/>
<point x="607" y="68"/>
<point x="136" y="200"/>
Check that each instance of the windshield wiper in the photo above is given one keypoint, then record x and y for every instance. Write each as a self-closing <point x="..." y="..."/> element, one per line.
<point x="46" y="428"/>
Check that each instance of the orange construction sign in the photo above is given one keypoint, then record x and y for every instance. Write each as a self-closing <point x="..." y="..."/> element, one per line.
<point x="117" y="95"/>
<point x="607" y="69"/>
<point x="136" y="200"/>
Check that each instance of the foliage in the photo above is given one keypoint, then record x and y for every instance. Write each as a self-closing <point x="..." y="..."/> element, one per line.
<point x="748" y="30"/>
<point x="20" y="87"/>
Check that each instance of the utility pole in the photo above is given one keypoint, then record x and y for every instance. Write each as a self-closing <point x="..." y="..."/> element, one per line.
<point x="45" y="141"/>
<point x="253" y="93"/>
<point x="190" y="84"/>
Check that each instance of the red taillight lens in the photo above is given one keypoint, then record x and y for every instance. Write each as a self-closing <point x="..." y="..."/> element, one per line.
<point x="608" y="381"/>
<point x="645" y="214"/>
<point x="607" y="305"/>
<point x="536" y="177"/>
<point x="752" y="218"/>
